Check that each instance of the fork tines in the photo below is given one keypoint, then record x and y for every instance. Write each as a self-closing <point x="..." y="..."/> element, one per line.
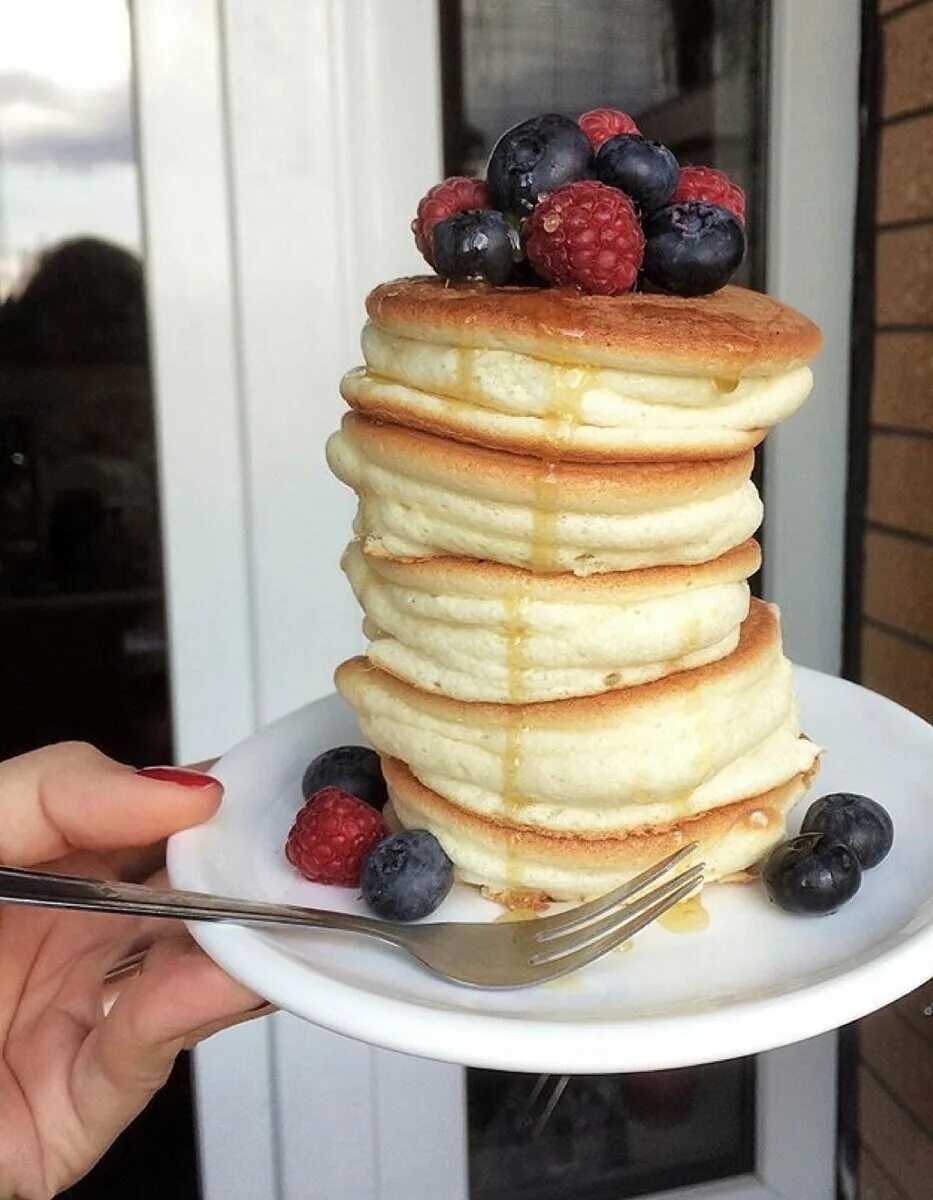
<point x="571" y="939"/>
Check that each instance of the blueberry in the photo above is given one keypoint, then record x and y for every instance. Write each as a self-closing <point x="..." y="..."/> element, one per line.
<point x="646" y="171"/>
<point x="406" y="875"/>
<point x="476" y="244"/>
<point x="864" y="826"/>
<point x="692" y="248"/>
<point x="535" y="158"/>
<point x="353" y="769"/>
<point x="812" y="874"/>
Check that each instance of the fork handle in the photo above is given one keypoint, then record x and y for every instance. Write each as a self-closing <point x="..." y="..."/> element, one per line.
<point x="47" y="890"/>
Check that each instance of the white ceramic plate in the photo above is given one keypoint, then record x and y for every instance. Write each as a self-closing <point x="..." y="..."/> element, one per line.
<point x="756" y="978"/>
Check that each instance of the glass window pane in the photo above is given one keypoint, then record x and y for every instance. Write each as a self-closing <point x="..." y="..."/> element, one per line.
<point x="607" y="1137"/>
<point x="82" y="634"/>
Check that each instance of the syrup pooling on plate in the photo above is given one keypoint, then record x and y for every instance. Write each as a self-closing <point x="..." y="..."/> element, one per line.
<point x="689" y="916"/>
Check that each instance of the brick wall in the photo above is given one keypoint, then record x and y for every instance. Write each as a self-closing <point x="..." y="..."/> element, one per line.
<point x="896" y="542"/>
<point x="891" y="627"/>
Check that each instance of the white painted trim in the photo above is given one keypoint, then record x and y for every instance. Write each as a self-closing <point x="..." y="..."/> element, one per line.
<point x="190" y="294"/>
<point x="208" y="584"/>
<point x="325" y="170"/>
<point x="420" y="1109"/>
<point x="796" y="1143"/>
<point x="813" y="169"/>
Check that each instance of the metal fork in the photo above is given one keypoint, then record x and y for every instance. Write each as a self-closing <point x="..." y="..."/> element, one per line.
<point x="511" y="955"/>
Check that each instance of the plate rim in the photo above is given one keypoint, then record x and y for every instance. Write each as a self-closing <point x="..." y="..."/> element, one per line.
<point x="475" y="1038"/>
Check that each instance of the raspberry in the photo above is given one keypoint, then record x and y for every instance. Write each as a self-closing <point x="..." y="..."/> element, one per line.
<point x="712" y="187"/>
<point x="586" y="234"/>
<point x="456" y="194"/>
<point x="600" y="124"/>
<point x="331" y="836"/>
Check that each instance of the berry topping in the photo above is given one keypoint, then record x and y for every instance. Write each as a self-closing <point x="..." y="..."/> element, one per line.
<point x="474" y="245"/>
<point x="645" y="170"/>
<point x="586" y="235"/>
<point x="812" y="874"/>
<point x="406" y="876"/>
<point x="331" y="836"/>
<point x="533" y="159"/>
<point x="712" y="187"/>
<point x="456" y="194"/>
<point x="600" y="124"/>
<point x="864" y="826"/>
<point x="353" y="769"/>
<point x="692" y="248"/>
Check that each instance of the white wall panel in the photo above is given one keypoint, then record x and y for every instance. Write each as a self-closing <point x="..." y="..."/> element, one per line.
<point x="813" y="167"/>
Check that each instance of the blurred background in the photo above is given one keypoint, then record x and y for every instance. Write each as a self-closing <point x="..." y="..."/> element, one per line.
<point x="194" y="198"/>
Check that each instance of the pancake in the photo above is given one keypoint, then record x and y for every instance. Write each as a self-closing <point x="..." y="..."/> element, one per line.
<point x="423" y="496"/>
<point x="653" y="754"/>
<point x="482" y="631"/>
<point x="570" y="867"/>
<point x="528" y="405"/>
<point x="733" y="332"/>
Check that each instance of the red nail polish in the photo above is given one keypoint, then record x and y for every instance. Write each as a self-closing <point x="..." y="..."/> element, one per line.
<point x="190" y="779"/>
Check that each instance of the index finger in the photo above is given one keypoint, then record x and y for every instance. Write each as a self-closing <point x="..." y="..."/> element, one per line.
<point x="72" y="797"/>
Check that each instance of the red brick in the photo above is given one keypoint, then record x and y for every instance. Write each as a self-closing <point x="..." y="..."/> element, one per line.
<point x="904" y="276"/>
<point x="908" y="52"/>
<point x="902" y="386"/>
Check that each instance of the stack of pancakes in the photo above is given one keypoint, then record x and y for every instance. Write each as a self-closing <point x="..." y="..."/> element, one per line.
<point x="566" y="676"/>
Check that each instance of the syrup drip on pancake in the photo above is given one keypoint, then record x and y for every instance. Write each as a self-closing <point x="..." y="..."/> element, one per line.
<point x="465" y="387"/>
<point x="565" y="412"/>
<point x="516" y="632"/>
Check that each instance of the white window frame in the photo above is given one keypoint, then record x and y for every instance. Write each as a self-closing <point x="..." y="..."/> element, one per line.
<point x="260" y="245"/>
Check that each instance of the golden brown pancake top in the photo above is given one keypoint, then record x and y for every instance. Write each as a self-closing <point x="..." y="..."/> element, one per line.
<point x="732" y="332"/>
<point x="481" y="471"/>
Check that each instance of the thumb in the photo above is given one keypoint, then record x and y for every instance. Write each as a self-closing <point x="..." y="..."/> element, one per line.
<point x="72" y="797"/>
<point x="180" y="997"/>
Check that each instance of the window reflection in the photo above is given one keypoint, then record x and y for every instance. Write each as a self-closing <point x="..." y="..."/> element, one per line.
<point x="81" y="622"/>
<point x="606" y="1137"/>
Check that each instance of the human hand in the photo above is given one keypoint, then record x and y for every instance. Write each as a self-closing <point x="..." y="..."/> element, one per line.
<point x="76" y="1063"/>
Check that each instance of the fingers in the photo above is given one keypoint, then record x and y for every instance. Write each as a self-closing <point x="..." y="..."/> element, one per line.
<point x="71" y="796"/>
<point x="179" y="998"/>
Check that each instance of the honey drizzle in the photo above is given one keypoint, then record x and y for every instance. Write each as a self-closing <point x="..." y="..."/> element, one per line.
<point x="689" y="916"/>
<point x="517" y="914"/>
<point x="544" y="518"/>
<point x="465" y="387"/>
<point x="693" y="636"/>
<point x="564" y="413"/>
<point x="513" y="800"/>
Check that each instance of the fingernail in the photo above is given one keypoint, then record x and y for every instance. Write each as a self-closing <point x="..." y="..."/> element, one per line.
<point x="179" y="775"/>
